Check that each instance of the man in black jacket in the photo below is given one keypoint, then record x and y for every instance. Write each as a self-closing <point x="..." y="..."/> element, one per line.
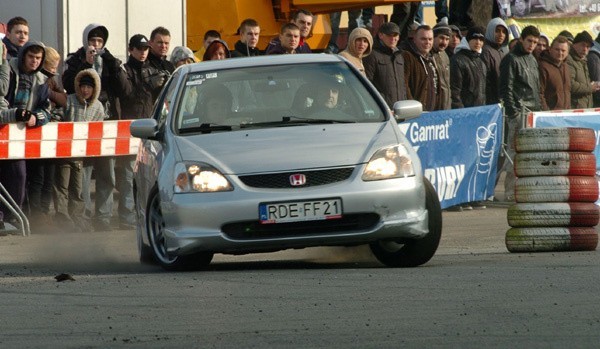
<point x="249" y="34"/>
<point x="160" y="40"/>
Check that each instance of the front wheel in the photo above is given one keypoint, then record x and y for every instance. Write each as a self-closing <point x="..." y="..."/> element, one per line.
<point x="418" y="251"/>
<point x="155" y="229"/>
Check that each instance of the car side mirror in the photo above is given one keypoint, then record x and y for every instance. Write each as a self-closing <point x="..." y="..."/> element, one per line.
<point x="406" y="110"/>
<point x="144" y="129"/>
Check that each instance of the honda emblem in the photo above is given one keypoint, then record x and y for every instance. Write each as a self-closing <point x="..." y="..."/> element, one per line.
<point x="297" y="179"/>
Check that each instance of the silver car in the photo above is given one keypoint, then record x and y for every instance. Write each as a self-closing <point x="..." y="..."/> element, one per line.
<point x="269" y="153"/>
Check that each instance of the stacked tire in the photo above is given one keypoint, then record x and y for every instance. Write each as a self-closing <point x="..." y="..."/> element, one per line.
<point x="555" y="191"/>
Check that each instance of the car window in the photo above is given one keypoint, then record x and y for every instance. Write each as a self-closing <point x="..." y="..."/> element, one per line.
<point x="165" y="100"/>
<point x="266" y="95"/>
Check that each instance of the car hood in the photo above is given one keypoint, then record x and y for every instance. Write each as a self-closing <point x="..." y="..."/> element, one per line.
<point x="287" y="148"/>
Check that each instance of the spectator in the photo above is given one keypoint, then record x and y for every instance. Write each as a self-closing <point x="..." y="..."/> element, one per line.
<point x="420" y="73"/>
<point x="593" y="61"/>
<point x="303" y="19"/>
<point x="384" y="67"/>
<point x="467" y="71"/>
<point x="216" y="50"/>
<point x="249" y="34"/>
<point x="83" y="105"/>
<point x="555" y="78"/>
<point x="182" y="55"/>
<point x="519" y="91"/>
<point x="160" y="41"/>
<point x="441" y="37"/>
<point x="567" y="34"/>
<point x="24" y="99"/>
<point x="494" y="49"/>
<point x="360" y="45"/>
<point x="17" y="35"/>
<point x="455" y="38"/>
<point x="288" y="41"/>
<point x="113" y="81"/>
<point x="356" y="19"/>
<point x="581" y="86"/>
<point x="541" y="46"/>
<point x="209" y="36"/>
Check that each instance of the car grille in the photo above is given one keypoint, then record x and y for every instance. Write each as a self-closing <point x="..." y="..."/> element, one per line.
<point x="255" y="230"/>
<point x="282" y="180"/>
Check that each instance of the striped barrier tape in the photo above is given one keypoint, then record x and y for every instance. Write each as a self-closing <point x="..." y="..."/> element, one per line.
<point x="67" y="139"/>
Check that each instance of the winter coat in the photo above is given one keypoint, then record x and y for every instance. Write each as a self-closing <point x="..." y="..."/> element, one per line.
<point x="581" y="88"/>
<point x="384" y="67"/>
<point x="79" y="109"/>
<point x="467" y="77"/>
<point x="421" y="77"/>
<point x="38" y="102"/>
<point x="274" y="47"/>
<point x="112" y="76"/>
<point x="137" y="99"/>
<point x="442" y="63"/>
<point x="160" y="63"/>
<point x="593" y="62"/>
<point x="555" y="83"/>
<point x="492" y="55"/>
<point x="12" y="50"/>
<point x="242" y="50"/>
<point x="350" y="52"/>
<point x="519" y="82"/>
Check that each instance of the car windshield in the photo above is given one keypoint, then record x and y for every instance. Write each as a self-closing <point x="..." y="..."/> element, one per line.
<point x="274" y="96"/>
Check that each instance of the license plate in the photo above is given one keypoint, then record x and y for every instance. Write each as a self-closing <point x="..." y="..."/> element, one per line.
<point x="297" y="211"/>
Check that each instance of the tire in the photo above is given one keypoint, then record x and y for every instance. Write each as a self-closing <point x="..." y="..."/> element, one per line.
<point x="551" y="239"/>
<point x="555" y="139"/>
<point x="555" y="164"/>
<point x="571" y="214"/>
<point x="556" y="189"/>
<point x="154" y="230"/>
<point x="418" y="251"/>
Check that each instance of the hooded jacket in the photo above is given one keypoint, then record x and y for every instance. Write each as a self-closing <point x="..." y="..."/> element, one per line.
<point x="581" y="88"/>
<point x="519" y="82"/>
<point x="384" y="67"/>
<point x="593" y="61"/>
<point x="181" y="53"/>
<point x="421" y="76"/>
<point x="80" y="109"/>
<point x="492" y="54"/>
<point x="112" y="76"/>
<point x="350" y="52"/>
<point x="37" y="102"/>
<point x="241" y="49"/>
<point x="206" y="56"/>
<point x="555" y="83"/>
<point x="467" y="77"/>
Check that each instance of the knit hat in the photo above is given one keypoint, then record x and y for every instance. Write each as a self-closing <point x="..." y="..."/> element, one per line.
<point x="456" y="30"/>
<point x="567" y="34"/>
<point x="99" y="32"/>
<point x="441" y="29"/>
<point x="87" y="80"/>
<point x="584" y="36"/>
<point x="389" y="28"/>
<point x="476" y="33"/>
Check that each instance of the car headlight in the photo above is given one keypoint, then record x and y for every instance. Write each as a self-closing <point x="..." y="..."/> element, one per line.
<point x="199" y="177"/>
<point x="392" y="162"/>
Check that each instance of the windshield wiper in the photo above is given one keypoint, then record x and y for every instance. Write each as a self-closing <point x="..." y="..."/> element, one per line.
<point x="205" y="128"/>
<point x="296" y="121"/>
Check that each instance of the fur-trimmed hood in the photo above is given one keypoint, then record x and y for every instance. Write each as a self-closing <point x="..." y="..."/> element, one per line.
<point x="94" y="75"/>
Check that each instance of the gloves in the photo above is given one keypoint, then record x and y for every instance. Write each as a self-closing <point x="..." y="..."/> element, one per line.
<point x="158" y="80"/>
<point x="22" y="115"/>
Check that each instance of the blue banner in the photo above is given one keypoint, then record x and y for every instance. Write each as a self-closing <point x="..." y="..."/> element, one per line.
<point x="459" y="151"/>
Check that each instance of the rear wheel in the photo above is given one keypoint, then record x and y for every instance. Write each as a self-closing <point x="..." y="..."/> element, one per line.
<point x="155" y="229"/>
<point x="414" y="252"/>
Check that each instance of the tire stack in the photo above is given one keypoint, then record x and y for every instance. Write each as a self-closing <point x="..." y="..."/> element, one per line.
<point x="555" y="191"/>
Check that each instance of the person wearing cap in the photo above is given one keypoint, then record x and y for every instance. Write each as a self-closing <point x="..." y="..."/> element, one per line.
<point x="582" y="87"/>
<point x="593" y="61"/>
<point x="303" y="19"/>
<point x="182" y="55"/>
<point x="467" y="71"/>
<point x="384" y="67"/>
<point x="441" y="37"/>
<point x="519" y="90"/>
<point x="494" y="49"/>
<point x="567" y="34"/>
<point x="455" y="37"/>
<point x="246" y="46"/>
<point x="25" y="100"/>
<point x="160" y="41"/>
<point x="83" y="105"/>
<point x="555" y="77"/>
<point x="360" y="45"/>
<point x="420" y="72"/>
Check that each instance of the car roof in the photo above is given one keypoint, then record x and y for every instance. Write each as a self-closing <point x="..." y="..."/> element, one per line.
<point x="245" y="62"/>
